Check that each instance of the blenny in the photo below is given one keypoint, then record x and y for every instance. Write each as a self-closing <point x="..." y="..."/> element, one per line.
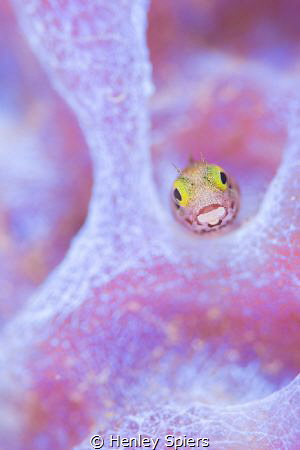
<point x="204" y="197"/>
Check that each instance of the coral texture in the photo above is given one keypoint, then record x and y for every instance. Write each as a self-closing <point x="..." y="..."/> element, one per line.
<point x="143" y="327"/>
<point x="40" y="208"/>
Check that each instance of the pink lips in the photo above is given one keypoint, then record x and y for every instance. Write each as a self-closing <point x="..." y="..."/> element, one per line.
<point x="209" y="208"/>
<point x="211" y="215"/>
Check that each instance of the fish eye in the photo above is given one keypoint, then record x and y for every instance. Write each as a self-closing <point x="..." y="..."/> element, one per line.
<point x="181" y="191"/>
<point x="216" y="176"/>
<point x="223" y="177"/>
<point x="177" y="194"/>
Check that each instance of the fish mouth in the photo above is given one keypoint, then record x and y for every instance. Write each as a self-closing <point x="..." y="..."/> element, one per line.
<point x="211" y="215"/>
<point x="209" y="208"/>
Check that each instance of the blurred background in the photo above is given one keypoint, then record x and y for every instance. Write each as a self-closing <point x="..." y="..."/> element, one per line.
<point x="45" y="170"/>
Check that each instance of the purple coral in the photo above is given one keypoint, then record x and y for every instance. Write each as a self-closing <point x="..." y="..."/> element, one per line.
<point x="143" y="328"/>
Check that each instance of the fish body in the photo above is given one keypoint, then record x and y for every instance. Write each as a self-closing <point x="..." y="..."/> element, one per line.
<point x="204" y="197"/>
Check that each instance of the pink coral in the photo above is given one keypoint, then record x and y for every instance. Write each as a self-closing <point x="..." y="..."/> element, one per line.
<point x="41" y="207"/>
<point x="144" y="328"/>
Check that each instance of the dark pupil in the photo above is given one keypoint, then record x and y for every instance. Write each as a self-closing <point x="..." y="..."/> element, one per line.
<point x="223" y="177"/>
<point x="177" y="194"/>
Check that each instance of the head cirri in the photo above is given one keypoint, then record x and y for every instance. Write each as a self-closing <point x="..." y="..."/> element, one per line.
<point x="204" y="197"/>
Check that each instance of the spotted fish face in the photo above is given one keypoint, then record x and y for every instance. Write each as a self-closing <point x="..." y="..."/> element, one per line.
<point x="204" y="198"/>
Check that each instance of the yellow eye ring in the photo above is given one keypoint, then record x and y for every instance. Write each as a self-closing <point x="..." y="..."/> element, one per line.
<point x="181" y="191"/>
<point x="217" y="176"/>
